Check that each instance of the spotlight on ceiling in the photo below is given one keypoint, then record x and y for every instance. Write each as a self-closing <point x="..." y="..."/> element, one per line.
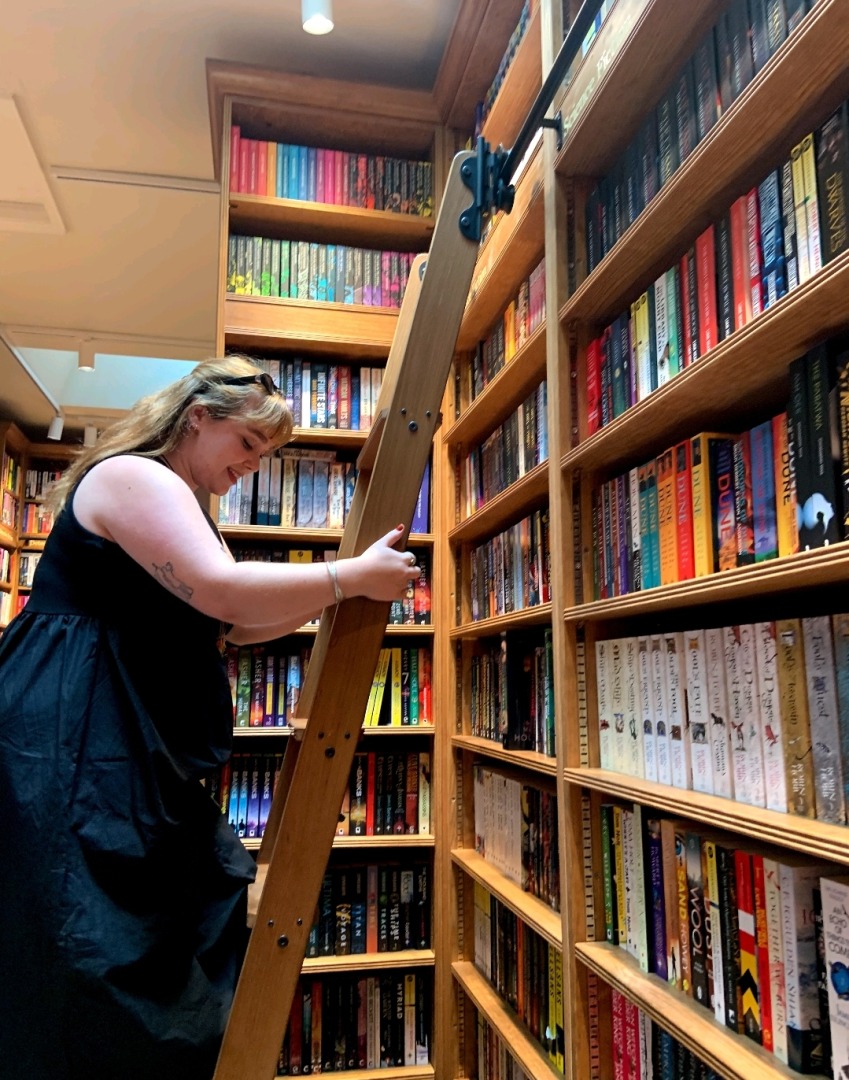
<point x="89" y="435"/>
<point x="317" y="16"/>
<point x="57" y="426"/>
<point x="85" y="356"/>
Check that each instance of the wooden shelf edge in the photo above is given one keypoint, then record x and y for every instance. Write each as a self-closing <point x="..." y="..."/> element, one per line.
<point x="518" y="498"/>
<point x="732" y="1056"/>
<point x="519" y="376"/>
<point x="815" y="838"/>
<point x="525" y="759"/>
<point x="534" y="912"/>
<point x="515" y="1036"/>
<point x="516" y="620"/>
<point x="385" y="961"/>
<point x="805" y="570"/>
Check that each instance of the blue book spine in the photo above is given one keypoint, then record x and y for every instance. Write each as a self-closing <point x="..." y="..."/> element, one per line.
<point x="355" y="400"/>
<point x="280" y="183"/>
<point x="303" y="154"/>
<point x="763" y="492"/>
<point x="292" y="171"/>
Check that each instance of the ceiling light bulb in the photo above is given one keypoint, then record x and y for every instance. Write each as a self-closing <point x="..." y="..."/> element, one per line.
<point x="57" y="426"/>
<point x="317" y="16"/>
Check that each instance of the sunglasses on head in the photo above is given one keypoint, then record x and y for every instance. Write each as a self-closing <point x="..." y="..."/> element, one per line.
<point x="262" y="378"/>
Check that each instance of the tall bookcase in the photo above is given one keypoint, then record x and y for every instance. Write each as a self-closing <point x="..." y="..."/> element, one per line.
<point x="377" y="122"/>
<point x="27" y="470"/>
<point x="629" y="66"/>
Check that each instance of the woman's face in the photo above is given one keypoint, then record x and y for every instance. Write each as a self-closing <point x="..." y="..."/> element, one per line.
<point x="222" y="451"/>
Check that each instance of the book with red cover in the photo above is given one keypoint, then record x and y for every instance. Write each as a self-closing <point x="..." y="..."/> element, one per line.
<point x="706" y="290"/>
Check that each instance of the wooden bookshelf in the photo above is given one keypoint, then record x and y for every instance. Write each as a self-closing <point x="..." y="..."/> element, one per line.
<point x="540" y="615"/>
<point x="374" y="120"/>
<point x="488" y="748"/>
<point x="515" y="1036"/>
<point x="526" y="494"/>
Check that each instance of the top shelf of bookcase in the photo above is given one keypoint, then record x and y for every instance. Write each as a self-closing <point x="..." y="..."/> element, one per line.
<point x="803" y="82"/>
<point x="641" y="45"/>
<point x="519" y="89"/>
<point x="319" y="112"/>
<point x="294" y="219"/>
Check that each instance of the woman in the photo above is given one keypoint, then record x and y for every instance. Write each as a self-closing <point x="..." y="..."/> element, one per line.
<point x="122" y="887"/>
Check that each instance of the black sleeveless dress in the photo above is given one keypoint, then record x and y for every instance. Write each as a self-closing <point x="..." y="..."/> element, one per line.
<point x="122" y="889"/>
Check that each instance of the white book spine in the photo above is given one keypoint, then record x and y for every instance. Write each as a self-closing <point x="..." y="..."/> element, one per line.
<point x="835" y="924"/>
<point x="736" y="721"/>
<point x="748" y="669"/>
<point x="605" y="715"/>
<point x="661" y="330"/>
<point x="770" y="713"/>
<point x="800" y="954"/>
<point x="616" y="655"/>
<point x="679" y="739"/>
<point x="634" y="764"/>
<point x="697" y="711"/>
<point x="717" y="707"/>
<point x="661" y="709"/>
<point x="647" y="711"/>
<point x="822" y="709"/>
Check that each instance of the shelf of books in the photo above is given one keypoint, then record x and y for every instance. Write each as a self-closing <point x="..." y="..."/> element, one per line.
<point x="329" y="191"/>
<point x="699" y="445"/>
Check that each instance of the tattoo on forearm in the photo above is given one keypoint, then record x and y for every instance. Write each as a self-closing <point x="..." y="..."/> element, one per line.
<point x="165" y="574"/>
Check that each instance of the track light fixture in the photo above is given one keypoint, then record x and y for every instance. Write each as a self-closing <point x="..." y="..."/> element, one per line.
<point x="317" y="16"/>
<point x="85" y="356"/>
<point x="89" y="435"/>
<point x="57" y="426"/>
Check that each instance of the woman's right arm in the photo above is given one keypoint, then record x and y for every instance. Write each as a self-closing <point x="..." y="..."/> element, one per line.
<point x="152" y="514"/>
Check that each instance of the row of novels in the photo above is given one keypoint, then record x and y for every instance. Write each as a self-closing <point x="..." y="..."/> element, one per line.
<point x="295" y="488"/>
<point x="494" y="1059"/>
<point x="10" y="478"/>
<point x="756" y="935"/>
<point x="266" y="680"/>
<point x="401" y="692"/>
<point x="27" y="565"/>
<point x="512" y="570"/>
<point x="511" y="691"/>
<point x="414" y="609"/>
<point x="324" y="394"/>
<point x="643" y="1050"/>
<point x="513" y="449"/>
<point x="521" y="318"/>
<point x="36" y="519"/>
<point x="483" y="108"/>
<point x="732" y="53"/>
<point x="372" y="909"/>
<point x="525" y="970"/>
<point x="39" y="480"/>
<point x="308" y="270"/>
<point x="343" y="1022"/>
<point x="773" y="238"/>
<point x="755" y="712"/>
<point x="516" y="832"/>
<point x="388" y="793"/>
<point x="338" y="177"/>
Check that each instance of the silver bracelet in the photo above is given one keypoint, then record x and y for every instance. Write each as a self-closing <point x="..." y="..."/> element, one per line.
<point x="337" y="591"/>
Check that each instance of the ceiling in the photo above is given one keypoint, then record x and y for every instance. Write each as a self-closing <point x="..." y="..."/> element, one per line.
<point x="112" y="97"/>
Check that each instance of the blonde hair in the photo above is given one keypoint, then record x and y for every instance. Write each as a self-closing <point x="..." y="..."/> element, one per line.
<point x="156" y="423"/>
